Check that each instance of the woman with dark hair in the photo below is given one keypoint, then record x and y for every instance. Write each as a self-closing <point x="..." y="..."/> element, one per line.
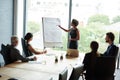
<point x="28" y="37"/>
<point x="74" y="37"/>
<point x="89" y="60"/>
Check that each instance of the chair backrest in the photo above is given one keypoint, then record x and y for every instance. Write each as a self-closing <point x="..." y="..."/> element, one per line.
<point x="25" y="48"/>
<point x="118" y="57"/>
<point x="63" y="74"/>
<point x="76" y="72"/>
<point x="5" y="51"/>
<point x="105" y="66"/>
<point x="116" y="52"/>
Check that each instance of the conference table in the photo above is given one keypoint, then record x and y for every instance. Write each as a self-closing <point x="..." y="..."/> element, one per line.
<point x="45" y="68"/>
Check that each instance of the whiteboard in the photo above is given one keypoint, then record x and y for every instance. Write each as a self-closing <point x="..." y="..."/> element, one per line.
<point x="52" y="35"/>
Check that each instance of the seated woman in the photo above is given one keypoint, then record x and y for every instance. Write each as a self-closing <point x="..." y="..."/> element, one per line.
<point x="89" y="60"/>
<point x="28" y="37"/>
<point x="15" y="53"/>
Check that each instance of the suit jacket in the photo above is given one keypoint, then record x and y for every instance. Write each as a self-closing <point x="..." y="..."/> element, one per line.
<point x="112" y="51"/>
<point x="89" y="65"/>
<point x="15" y="55"/>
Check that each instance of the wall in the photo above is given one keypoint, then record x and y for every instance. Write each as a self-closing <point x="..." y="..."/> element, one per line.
<point x="6" y="21"/>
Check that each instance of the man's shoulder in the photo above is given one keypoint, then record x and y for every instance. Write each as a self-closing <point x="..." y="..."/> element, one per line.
<point x="13" y="49"/>
<point x="114" y="46"/>
<point x="9" y="46"/>
<point x="88" y="54"/>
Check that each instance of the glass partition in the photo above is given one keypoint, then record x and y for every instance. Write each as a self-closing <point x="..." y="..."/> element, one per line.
<point x="36" y="9"/>
<point x="96" y="17"/>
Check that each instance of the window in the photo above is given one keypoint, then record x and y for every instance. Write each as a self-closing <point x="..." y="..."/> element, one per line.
<point x="96" y="17"/>
<point x="6" y="13"/>
<point x="20" y="21"/>
<point x="36" y="9"/>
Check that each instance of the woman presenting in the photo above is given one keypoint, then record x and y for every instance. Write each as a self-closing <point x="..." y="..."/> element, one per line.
<point x="74" y="37"/>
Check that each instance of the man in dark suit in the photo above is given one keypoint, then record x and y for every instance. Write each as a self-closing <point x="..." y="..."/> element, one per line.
<point x="15" y="53"/>
<point x="111" y="50"/>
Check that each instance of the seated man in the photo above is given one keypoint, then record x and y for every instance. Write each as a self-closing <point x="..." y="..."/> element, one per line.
<point x="15" y="53"/>
<point x="111" y="50"/>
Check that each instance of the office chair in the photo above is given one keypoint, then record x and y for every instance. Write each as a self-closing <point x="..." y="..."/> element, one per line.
<point x="105" y="68"/>
<point x="63" y="74"/>
<point x="76" y="72"/>
<point x="24" y="47"/>
<point x="117" y="57"/>
<point x="5" y="51"/>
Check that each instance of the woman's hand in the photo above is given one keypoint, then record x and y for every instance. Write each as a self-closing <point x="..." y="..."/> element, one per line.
<point x="45" y="51"/>
<point x="35" y="58"/>
<point x="59" y="26"/>
<point x="72" y="39"/>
